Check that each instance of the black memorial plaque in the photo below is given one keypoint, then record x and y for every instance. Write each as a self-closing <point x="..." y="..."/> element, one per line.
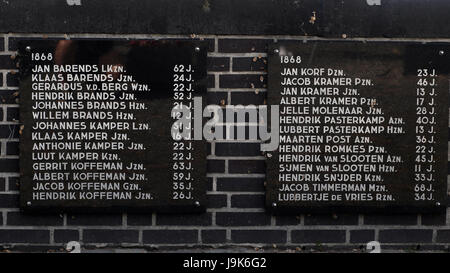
<point x="363" y="126"/>
<point x="96" y="125"/>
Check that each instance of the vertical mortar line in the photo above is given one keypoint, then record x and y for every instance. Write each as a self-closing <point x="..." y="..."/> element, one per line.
<point x="447" y="220"/>
<point x="153" y="219"/>
<point x="216" y="44"/>
<point x="228" y="234"/>
<point x="199" y="236"/>
<point x="231" y="64"/>
<point x="229" y="200"/>
<point x="213" y="218"/>
<point x="7" y="183"/>
<point x="288" y="236"/>
<point x="52" y="235"/>
<point x="433" y="236"/>
<point x="229" y="97"/>
<point x="226" y="166"/>
<point x="214" y="185"/>
<point x="360" y="219"/>
<point x="65" y="219"/>
<point x="347" y="236"/>
<point x="124" y="220"/>
<point x="4" y="218"/>
<point x="419" y="219"/>
<point x="4" y="79"/>
<point x="3" y="148"/>
<point x="140" y="232"/>
<point x="377" y="234"/>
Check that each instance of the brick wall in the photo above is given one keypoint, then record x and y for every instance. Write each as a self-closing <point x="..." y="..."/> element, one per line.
<point x="237" y="69"/>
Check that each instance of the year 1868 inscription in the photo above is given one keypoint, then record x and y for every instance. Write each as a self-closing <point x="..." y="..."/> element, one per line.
<point x="96" y="125"/>
<point x="363" y="126"/>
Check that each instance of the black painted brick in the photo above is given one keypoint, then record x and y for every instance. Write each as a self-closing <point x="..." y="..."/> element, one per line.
<point x="7" y="96"/>
<point x="110" y="236"/>
<point x="247" y="201"/>
<point x="12" y="148"/>
<point x="258" y="236"/>
<point x="6" y="62"/>
<point x="209" y="183"/>
<point x="218" y="64"/>
<point x="9" y="131"/>
<point x="216" y="200"/>
<point x="242" y="81"/>
<point x="12" y="113"/>
<point x="203" y="219"/>
<point x="170" y="236"/>
<point x="214" y="236"/>
<point x="139" y="219"/>
<point x="215" y="166"/>
<point x="246" y="166"/>
<point x="9" y="165"/>
<point x="2" y="184"/>
<point x="94" y="219"/>
<point x="248" y="98"/>
<point x="238" y="149"/>
<point x="327" y="219"/>
<point x="361" y="236"/>
<point x="9" y="200"/>
<point x="1" y="113"/>
<point x="21" y="219"/>
<point x="434" y="219"/>
<point x="66" y="235"/>
<point x="30" y="236"/>
<point x="443" y="236"/>
<point x="12" y="79"/>
<point x="390" y="219"/>
<point x="318" y="236"/>
<point x="2" y="44"/>
<point x="13" y="183"/>
<point x="217" y="98"/>
<point x="249" y="64"/>
<point x="287" y="220"/>
<point x="242" y="219"/>
<point x="243" y="45"/>
<point x="240" y="184"/>
<point x="405" y="236"/>
<point x="210" y="81"/>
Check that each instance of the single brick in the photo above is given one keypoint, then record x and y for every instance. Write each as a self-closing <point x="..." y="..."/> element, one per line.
<point x="203" y="219"/>
<point x="218" y="64"/>
<point x="217" y="98"/>
<point x="259" y="236"/>
<point x="21" y="219"/>
<point x="209" y="183"/>
<point x="9" y="165"/>
<point x="238" y="149"/>
<point x="12" y="113"/>
<point x="1" y="113"/>
<point x="248" y="98"/>
<point x="8" y="96"/>
<point x="434" y="219"/>
<point x="361" y="236"/>
<point x="249" y="64"/>
<point x="2" y="184"/>
<point x="13" y="183"/>
<point x="110" y="236"/>
<point x="216" y="201"/>
<point x="2" y="44"/>
<point x="12" y="79"/>
<point x="65" y="235"/>
<point x="328" y="219"/>
<point x="247" y="201"/>
<point x="6" y="62"/>
<point x="287" y="220"/>
<point x="12" y="148"/>
<point x="9" y="200"/>
<point x="243" y="45"/>
<point x="29" y="236"/>
<point x="210" y="81"/>
<point x="390" y="219"/>
<point x="405" y="236"/>
<point x="242" y="81"/>
<point x="8" y="131"/>
<point x="246" y="166"/>
<point x="215" y="166"/>
<point x="94" y="219"/>
<point x="318" y="236"/>
<point x="214" y="236"/>
<point x="242" y="219"/>
<point x="240" y="184"/>
<point x="443" y="236"/>
<point x="178" y="236"/>
<point x="140" y="219"/>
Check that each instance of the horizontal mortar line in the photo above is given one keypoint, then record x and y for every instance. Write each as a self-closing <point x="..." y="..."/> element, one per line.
<point x="4" y="70"/>
<point x="218" y="192"/>
<point x="9" y="139"/>
<point x="6" y="88"/>
<point x="236" y="175"/>
<point x="237" y="89"/>
<point x="246" y="141"/>
<point x="237" y="54"/>
<point x="9" y="174"/>
<point x="9" y="157"/>
<point x="105" y="35"/>
<point x="257" y="157"/>
<point x="237" y="73"/>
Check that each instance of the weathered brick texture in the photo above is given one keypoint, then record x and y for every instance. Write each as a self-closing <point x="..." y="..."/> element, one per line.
<point x="237" y="75"/>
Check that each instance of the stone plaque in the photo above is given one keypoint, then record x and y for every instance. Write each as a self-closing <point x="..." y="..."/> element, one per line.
<point x="363" y="126"/>
<point x="97" y="119"/>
